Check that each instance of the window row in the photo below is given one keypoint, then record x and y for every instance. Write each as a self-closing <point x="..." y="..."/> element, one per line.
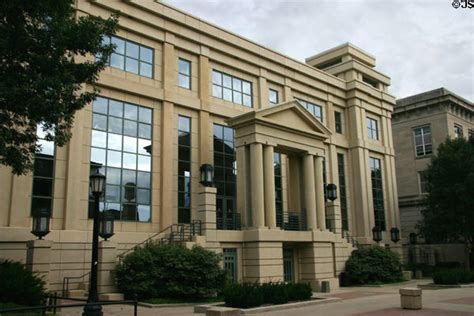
<point x="231" y="88"/>
<point x="314" y="109"/>
<point x="130" y="56"/>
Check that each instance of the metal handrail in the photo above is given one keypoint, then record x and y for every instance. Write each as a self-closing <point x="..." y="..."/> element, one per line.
<point x="292" y="221"/>
<point x="65" y="287"/>
<point x="230" y="223"/>
<point x="55" y="306"/>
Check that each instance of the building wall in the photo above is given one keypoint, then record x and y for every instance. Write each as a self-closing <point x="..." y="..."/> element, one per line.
<point x="173" y="34"/>
<point x="441" y="110"/>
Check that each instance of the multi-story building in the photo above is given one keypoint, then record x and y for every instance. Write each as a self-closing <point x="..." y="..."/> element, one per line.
<point x="180" y="93"/>
<point x="420" y="123"/>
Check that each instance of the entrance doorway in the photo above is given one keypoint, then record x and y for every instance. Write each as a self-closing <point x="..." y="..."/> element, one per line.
<point x="288" y="265"/>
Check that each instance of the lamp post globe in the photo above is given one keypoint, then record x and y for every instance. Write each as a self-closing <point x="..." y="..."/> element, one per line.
<point x="40" y="223"/>
<point x="331" y="190"/>
<point x="377" y="234"/>
<point x="395" y="234"/>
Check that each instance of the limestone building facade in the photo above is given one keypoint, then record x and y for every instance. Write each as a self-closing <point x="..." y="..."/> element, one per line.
<point x="420" y="123"/>
<point x="180" y="93"/>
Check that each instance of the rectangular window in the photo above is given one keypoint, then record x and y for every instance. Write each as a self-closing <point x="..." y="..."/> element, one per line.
<point x="377" y="192"/>
<point x="184" y="169"/>
<point x="131" y="57"/>
<point x="458" y="132"/>
<point x="231" y="88"/>
<point x="273" y="96"/>
<point x="184" y="73"/>
<point x="43" y="174"/>
<point x="422" y="137"/>
<point x="314" y="109"/>
<point x="121" y="148"/>
<point x="343" y="191"/>
<point x="372" y="128"/>
<point x="423" y="182"/>
<point x="278" y="189"/>
<point x="338" y="121"/>
<point x="225" y="172"/>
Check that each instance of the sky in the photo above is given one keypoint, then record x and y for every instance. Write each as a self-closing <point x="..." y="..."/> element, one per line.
<point x="420" y="44"/>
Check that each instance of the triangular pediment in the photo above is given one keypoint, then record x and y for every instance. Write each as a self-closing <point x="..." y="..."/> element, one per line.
<point x="289" y="115"/>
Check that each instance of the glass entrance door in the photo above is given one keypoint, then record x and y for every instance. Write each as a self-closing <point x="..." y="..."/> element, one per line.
<point x="230" y="263"/>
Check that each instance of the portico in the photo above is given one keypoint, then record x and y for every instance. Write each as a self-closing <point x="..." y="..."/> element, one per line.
<point x="287" y="129"/>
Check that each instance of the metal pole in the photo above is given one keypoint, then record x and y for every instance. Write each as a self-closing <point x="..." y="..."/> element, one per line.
<point x="94" y="310"/>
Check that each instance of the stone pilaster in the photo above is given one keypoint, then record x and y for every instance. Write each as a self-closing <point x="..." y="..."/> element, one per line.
<point x="106" y="265"/>
<point x="206" y="212"/>
<point x="38" y="258"/>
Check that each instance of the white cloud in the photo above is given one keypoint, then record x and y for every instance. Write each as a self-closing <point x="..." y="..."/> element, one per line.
<point x="421" y="45"/>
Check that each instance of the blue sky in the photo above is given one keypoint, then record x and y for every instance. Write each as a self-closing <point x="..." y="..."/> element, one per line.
<point x="421" y="45"/>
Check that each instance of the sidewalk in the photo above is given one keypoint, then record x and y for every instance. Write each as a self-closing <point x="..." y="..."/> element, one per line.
<point x="360" y="301"/>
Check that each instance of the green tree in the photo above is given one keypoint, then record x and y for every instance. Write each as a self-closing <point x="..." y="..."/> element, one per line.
<point x="448" y="215"/>
<point x="45" y="58"/>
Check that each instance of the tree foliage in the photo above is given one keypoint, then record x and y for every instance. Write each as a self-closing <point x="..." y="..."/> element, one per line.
<point x="448" y="215"/>
<point x="45" y="57"/>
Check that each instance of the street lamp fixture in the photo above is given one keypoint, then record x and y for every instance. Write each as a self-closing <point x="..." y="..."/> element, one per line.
<point x="96" y="183"/>
<point x="377" y="234"/>
<point x="40" y="223"/>
<point x="395" y="234"/>
<point x="106" y="228"/>
<point x="207" y="175"/>
<point x="331" y="190"/>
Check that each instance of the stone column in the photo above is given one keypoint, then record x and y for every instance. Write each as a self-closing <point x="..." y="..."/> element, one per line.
<point x="106" y="265"/>
<point x="256" y="185"/>
<point x="320" y="205"/>
<point x="269" y="173"/>
<point x="206" y="211"/>
<point x="38" y="258"/>
<point x="309" y="189"/>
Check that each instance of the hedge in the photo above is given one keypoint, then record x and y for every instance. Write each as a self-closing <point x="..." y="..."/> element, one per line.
<point x="247" y="295"/>
<point x="452" y="276"/>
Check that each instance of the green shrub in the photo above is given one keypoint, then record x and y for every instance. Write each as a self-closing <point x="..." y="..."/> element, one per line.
<point x="299" y="291"/>
<point x="19" y="285"/>
<point x="374" y="264"/>
<point x="452" y="276"/>
<point x="243" y="295"/>
<point x="247" y="295"/>
<point x="274" y="293"/>
<point x="170" y="271"/>
<point x="448" y="265"/>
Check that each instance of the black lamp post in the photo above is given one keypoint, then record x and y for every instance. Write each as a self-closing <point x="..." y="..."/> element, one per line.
<point x="106" y="228"/>
<point x="395" y="234"/>
<point x="96" y="182"/>
<point x="207" y="175"/>
<point x="376" y="234"/>
<point x="331" y="190"/>
<point x="40" y="223"/>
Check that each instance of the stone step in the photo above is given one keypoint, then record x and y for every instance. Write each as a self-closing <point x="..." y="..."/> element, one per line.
<point x="111" y="297"/>
<point x="76" y="294"/>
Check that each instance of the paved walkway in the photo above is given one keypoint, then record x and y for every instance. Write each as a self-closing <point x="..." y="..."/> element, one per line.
<point x="357" y="301"/>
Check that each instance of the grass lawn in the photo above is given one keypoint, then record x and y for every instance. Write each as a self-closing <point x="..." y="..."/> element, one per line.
<point x="183" y="301"/>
